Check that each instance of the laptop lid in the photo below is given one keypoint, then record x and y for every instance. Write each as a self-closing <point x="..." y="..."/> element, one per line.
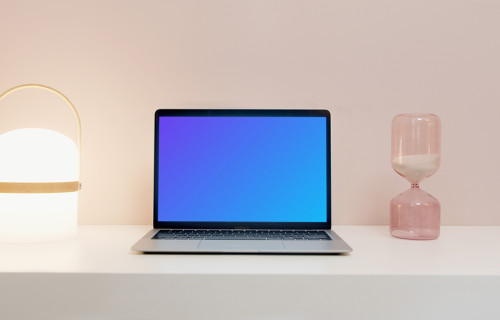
<point x="242" y="169"/>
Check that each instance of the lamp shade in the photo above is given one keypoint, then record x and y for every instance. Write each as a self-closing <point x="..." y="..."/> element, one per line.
<point x="39" y="173"/>
<point x="37" y="156"/>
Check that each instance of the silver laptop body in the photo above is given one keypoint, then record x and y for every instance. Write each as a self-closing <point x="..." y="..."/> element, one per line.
<point x="242" y="181"/>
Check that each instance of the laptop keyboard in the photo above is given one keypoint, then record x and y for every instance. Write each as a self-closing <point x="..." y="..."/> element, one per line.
<point x="241" y="235"/>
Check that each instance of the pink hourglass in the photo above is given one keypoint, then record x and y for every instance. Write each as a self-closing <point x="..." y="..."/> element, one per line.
<point x="416" y="154"/>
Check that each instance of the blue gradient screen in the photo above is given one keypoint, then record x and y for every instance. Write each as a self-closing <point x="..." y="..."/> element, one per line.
<point x="242" y="169"/>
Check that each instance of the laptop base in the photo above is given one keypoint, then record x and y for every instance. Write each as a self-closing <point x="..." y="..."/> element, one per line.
<point x="149" y="245"/>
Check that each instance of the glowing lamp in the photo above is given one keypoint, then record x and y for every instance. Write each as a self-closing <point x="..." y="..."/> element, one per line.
<point x="39" y="182"/>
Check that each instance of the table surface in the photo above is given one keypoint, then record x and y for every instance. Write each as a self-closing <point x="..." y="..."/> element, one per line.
<point x="460" y="250"/>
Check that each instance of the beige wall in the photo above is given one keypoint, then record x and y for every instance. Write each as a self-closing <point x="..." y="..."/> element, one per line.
<point x="365" y="60"/>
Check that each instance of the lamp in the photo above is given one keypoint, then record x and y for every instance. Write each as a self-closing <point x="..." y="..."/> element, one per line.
<point x="39" y="181"/>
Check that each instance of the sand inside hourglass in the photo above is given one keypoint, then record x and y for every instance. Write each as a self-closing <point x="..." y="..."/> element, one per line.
<point x="415" y="167"/>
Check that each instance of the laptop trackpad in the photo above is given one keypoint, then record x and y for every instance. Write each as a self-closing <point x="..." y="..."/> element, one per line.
<point x="240" y="245"/>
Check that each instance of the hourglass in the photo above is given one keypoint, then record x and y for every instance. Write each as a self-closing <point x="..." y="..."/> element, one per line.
<point x="416" y="154"/>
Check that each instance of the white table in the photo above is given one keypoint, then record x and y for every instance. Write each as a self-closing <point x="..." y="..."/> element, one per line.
<point x="97" y="276"/>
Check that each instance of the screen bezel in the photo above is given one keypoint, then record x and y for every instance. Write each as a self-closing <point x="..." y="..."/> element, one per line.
<point x="241" y="113"/>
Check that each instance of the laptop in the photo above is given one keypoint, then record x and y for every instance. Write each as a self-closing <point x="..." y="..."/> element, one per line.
<point x="242" y="181"/>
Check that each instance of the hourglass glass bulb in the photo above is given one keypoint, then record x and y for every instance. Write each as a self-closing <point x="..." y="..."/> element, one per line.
<point x="416" y="154"/>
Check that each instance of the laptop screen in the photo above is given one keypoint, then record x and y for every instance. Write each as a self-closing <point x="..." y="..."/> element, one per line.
<point x="242" y="167"/>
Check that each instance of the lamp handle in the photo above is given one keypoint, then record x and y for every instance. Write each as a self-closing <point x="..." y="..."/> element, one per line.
<point x="60" y="94"/>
